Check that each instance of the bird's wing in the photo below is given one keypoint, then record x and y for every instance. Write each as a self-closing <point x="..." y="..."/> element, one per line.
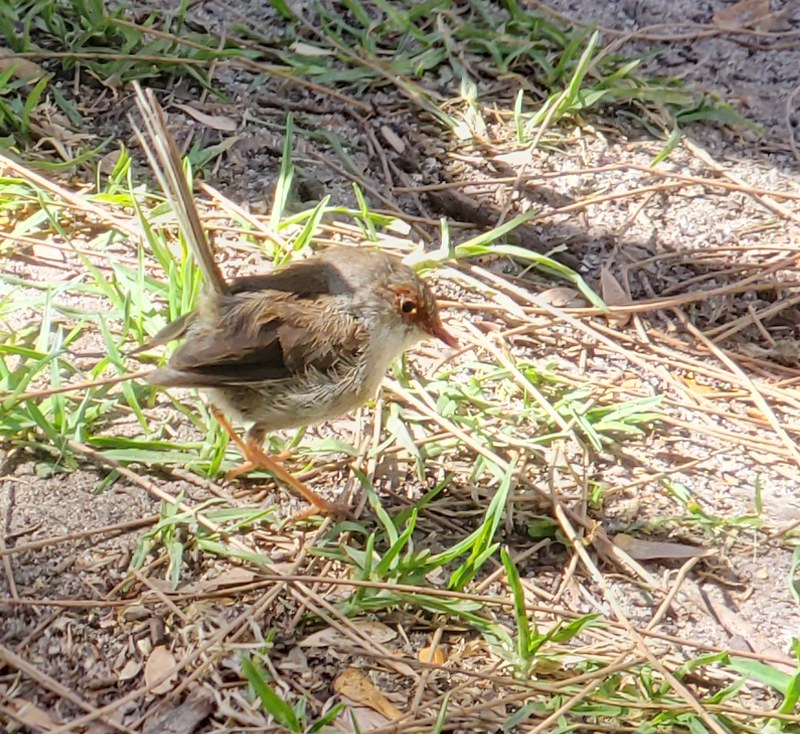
<point x="263" y="335"/>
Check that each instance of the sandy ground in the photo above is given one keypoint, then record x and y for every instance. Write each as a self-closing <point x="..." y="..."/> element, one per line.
<point x="738" y="598"/>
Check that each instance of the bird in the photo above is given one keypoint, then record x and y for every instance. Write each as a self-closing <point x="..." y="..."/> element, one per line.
<point x="300" y="345"/>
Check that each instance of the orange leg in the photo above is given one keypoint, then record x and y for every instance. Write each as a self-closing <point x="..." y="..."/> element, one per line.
<point x="247" y="449"/>
<point x="256" y="458"/>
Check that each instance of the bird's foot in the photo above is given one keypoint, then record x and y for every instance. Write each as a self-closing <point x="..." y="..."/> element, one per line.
<point x="256" y="458"/>
<point x="244" y="468"/>
<point x="335" y="510"/>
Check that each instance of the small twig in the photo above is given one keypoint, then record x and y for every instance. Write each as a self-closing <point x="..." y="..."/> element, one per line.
<point x="639" y="640"/>
<point x="120" y="527"/>
<point x="75" y="386"/>
<point x="755" y="393"/>
<point x="51" y="684"/>
<point x="674" y="588"/>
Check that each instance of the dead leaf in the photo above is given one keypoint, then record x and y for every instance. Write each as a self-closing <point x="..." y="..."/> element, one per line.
<point x="764" y="458"/>
<point x="295" y="660"/>
<point x="331" y="637"/>
<point x="23" y="68"/>
<point x="429" y="655"/>
<point x="776" y="22"/>
<point x="391" y="137"/>
<point x="365" y="720"/>
<point x="735" y="624"/>
<point x="741" y="15"/>
<point x="33" y="717"/>
<point x="514" y="160"/>
<point x="306" y="49"/>
<point x="234" y="576"/>
<point x="702" y="389"/>
<point x="134" y="613"/>
<point x="144" y="645"/>
<point x="614" y="295"/>
<point x="43" y="251"/>
<point x="158" y="663"/>
<point x="354" y="685"/>
<point x="215" y="122"/>
<point x="644" y="550"/>
<point x="186" y="717"/>
<point x="129" y="670"/>
<point x="562" y="296"/>
<point x="109" y="161"/>
<point x="786" y="352"/>
<point x="47" y="121"/>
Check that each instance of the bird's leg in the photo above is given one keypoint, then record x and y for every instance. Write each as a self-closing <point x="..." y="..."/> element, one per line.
<point x="249" y="447"/>
<point x="256" y="458"/>
<point x="247" y="465"/>
<point x="284" y="455"/>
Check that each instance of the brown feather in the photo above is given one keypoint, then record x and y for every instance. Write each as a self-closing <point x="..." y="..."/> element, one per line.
<point x="271" y="327"/>
<point x="165" y="161"/>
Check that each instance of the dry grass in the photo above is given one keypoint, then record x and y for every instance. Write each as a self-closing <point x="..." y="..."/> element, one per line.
<point x="541" y="523"/>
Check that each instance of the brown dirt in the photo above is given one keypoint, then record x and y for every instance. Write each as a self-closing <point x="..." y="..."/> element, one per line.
<point x="73" y="610"/>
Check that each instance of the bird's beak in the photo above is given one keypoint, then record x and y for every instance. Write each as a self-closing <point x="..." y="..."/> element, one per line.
<point x="436" y="329"/>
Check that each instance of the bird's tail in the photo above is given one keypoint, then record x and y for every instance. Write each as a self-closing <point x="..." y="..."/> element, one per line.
<point x="165" y="161"/>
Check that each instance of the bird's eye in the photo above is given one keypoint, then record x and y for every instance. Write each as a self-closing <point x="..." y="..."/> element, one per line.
<point x="408" y="306"/>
